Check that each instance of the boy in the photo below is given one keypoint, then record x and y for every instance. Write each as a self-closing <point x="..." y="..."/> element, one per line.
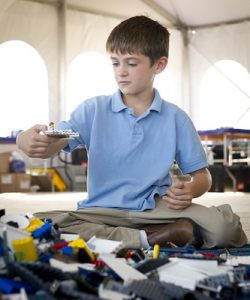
<point x="132" y="138"/>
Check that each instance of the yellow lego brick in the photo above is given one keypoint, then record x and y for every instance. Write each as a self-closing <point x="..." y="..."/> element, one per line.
<point x="25" y="249"/>
<point x="80" y="243"/>
<point x="34" y="225"/>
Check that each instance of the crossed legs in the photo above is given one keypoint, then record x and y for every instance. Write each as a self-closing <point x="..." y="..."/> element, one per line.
<point x="213" y="226"/>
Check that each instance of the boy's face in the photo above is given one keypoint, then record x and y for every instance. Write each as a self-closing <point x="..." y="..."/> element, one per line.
<point x="133" y="73"/>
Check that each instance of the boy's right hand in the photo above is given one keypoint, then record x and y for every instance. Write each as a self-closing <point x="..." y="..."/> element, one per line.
<point x="34" y="143"/>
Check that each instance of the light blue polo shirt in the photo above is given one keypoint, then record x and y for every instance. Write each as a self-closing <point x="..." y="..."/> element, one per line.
<point x="129" y="157"/>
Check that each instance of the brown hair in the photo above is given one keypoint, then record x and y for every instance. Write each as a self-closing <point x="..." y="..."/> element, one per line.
<point x="139" y="34"/>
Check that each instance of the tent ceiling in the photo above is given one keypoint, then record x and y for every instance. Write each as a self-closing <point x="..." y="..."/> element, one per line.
<point x="188" y="13"/>
<point x="199" y="13"/>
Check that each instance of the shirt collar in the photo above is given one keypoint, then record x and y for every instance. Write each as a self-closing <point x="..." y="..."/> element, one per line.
<point x="118" y="105"/>
<point x="157" y="102"/>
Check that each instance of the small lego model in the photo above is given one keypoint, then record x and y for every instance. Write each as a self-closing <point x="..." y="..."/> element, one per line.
<point x="58" y="133"/>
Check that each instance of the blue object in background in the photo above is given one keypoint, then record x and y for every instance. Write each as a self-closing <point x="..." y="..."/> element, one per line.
<point x="17" y="166"/>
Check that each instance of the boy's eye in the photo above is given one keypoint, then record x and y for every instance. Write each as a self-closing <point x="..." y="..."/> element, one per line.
<point x="132" y="65"/>
<point x="115" y="64"/>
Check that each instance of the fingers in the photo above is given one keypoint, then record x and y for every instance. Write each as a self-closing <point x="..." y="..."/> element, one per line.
<point x="34" y="142"/>
<point x="177" y="184"/>
<point x="39" y="137"/>
<point x="175" y="203"/>
<point x="39" y="128"/>
<point x="37" y="152"/>
<point x="178" y="196"/>
<point x="177" y="189"/>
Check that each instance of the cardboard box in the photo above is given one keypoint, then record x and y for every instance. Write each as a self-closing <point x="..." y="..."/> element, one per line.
<point x="43" y="181"/>
<point x="15" y="182"/>
<point x="5" y="162"/>
<point x="22" y="182"/>
<point x="7" y="183"/>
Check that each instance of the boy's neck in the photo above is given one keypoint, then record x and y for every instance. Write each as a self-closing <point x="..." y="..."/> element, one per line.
<point x="139" y="103"/>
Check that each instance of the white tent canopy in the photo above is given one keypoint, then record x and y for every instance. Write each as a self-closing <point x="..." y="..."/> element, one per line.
<point x="203" y="32"/>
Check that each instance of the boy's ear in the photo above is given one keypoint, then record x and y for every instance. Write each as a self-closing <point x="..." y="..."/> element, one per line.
<point x="161" y="64"/>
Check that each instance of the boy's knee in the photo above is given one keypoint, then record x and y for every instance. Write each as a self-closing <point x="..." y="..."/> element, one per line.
<point x="230" y="234"/>
<point x="227" y="234"/>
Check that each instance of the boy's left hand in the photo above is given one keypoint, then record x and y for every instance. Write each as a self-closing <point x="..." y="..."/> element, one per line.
<point x="179" y="195"/>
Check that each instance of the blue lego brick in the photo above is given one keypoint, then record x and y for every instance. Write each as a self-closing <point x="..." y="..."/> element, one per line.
<point x="67" y="250"/>
<point x="43" y="232"/>
<point x="9" y="286"/>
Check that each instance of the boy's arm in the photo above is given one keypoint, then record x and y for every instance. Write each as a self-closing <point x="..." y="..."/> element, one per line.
<point x="34" y="143"/>
<point x="200" y="183"/>
<point x="181" y="194"/>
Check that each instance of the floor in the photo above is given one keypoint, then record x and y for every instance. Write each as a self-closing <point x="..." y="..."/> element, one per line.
<point x="22" y="203"/>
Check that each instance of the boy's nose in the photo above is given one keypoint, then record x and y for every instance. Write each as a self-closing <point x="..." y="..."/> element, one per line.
<point x="122" y="71"/>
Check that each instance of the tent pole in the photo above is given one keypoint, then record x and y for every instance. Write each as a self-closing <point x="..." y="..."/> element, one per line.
<point x="62" y="54"/>
<point x="186" y="71"/>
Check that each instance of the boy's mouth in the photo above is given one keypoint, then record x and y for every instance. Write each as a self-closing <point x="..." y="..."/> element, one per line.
<point x="123" y="82"/>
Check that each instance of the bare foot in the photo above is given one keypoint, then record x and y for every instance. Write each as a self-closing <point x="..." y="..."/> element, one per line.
<point x="179" y="233"/>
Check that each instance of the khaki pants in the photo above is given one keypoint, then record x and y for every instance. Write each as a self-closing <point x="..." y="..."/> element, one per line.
<point x="220" y="227"/>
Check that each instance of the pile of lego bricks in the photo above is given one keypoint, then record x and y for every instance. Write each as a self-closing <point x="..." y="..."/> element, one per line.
<point x="37" y="261"/>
